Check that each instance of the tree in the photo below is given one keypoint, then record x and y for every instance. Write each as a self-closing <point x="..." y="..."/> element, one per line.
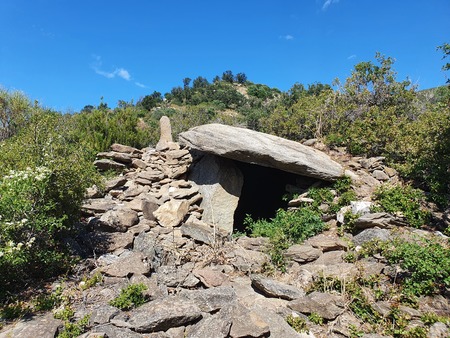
<point x="200" y="82"/>
<point x="15" y="110"/>
<point x="445" y="48"/>
<point x="151" y="101"/>
<point x="186" y="82"/>
<point x="241" y="78"/>
<point x="227" y="76"/>
<point x="87" y="108"/>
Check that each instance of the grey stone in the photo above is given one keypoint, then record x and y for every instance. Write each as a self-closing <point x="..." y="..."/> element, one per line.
<point x="438" y="330"/>
<point x="42" y="326"/>
<point x="326" y="305"/>
<point x="115" y="156"/>
<point x="210" y="277"/>
<point x="327" y="243"/>
<point x="102" y="314"/>
<point x="112" y="331"/>
<point x="258" y="148"/>
<point x="211" y="299"/>
<point x="303" y="253"/>
<point x="107" y="164"/>
<point x="247" y="323"/>
<point x="98" y="205"/>
<point x="172" y="276"/>
<point x="380" y="175"/>
<point x="146" y="243"/>
<point x="120" y="148"/>
<point x="127" y="264"/>
<point x="272" y="288"/>
<point x="220" y="183"/>
<point x="115" y="182"/>
<point x="370" y="234"/>
<point x="119" y="219"/>
<point x="201" y="233"/>
<point x="217" y="326"/>
<point x="253" y="243"/>
<point x="378" y="219"/>
<point x="163" y="314"/>
<point x="148" y="208"/>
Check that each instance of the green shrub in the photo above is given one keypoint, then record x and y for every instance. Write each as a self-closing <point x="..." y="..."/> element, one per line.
<point x="426" y="262"/>
<point x="130" y="297"/>
<point x="285" y="229"/>
<point x="73" y="330"/>
<point x="404" y="199"/>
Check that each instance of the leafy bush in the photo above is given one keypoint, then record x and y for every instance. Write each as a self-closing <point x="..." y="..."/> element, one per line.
<point x="404" y="199"/>
<point x="43" y="178"/>
<point x="72" y="330"/>
<point x="285" y="229"/>
<point x="297" y="323"/>
<point x="130" y="297"/>
<point x="427" y="265"/>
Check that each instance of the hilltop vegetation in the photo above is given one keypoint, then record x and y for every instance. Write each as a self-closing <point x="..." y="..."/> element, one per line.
<point x="47" y="156"/>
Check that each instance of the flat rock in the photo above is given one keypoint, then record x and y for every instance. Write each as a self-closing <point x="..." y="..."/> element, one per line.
<point x="112" y="331"/>
<point x="116" y="156"/>
<point x="119" y="219"/>
<point x="247" y="323"/>
<point x="327" y="243"/>
<point x="209" y="277"/>
<point x="378" y="219"/>
<point x="107" y="164"/>
<point x="98" y="205"/>
<point x="212" y="299"/>
<point x="217" y="326"/>
<point x="201" y="233"/>
<point x="120" y="148"/>
<point x="42" y="326"/>
<point x="326" y="305"/>
<point x="163" y="314"/>
<point x="258" y="148"/>
<point x="303" y="253"/>
<point x="128" y="263"/>
<point x="272" y="288"/>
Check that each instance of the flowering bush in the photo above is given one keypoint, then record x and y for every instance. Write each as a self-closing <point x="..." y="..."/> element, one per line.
<point x="29" y="225"/>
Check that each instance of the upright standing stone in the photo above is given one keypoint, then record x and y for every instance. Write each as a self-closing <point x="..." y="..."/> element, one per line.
<point x="166" y="134"/>
<point x="220" y="183"/>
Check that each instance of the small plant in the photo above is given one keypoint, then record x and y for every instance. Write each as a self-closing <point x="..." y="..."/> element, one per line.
<point x="297" y="323"/>
<point x="404" y="199"/>
<point x="65" y="313"/>
<point x="430" y="318"/>
<point x="72" y="330"/>
<point x="130" y="297"/>
<point x="315" y="318"/>
<point x="87" y="283"/>
<point x="47" y="302"/>
<point x="355" y="332"/>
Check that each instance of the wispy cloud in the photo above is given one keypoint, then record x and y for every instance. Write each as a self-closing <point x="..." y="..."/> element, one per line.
<point x="119" y="72"/>
<point x="140" y="85"/>
<point x="351" y="57"/>
<point x="328" y="3"/>
<point x="287" y="37"/>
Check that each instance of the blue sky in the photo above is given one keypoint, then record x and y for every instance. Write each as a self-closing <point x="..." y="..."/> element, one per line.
<point x="67" y="54"/>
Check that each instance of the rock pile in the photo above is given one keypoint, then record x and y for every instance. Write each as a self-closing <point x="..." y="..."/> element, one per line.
<point x="146" y="226"/>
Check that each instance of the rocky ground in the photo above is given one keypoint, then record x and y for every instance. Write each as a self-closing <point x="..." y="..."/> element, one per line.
<point x="145" y="226"/>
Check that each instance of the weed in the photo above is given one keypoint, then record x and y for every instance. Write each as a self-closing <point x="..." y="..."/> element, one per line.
<point x="430" y="318"/>
<point x="130" y="297"/>
<point x="14" y="310"/>
<point x="315" y="318"/>
<point x="87" y="283"/>
<point x="297" y="323"/>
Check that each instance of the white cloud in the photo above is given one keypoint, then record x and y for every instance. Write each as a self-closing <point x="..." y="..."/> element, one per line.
<point x="351" y="57"/>
<point x="140" y="85"/>
<point x="287" y="37"/>
<point x="327" y="3"/>
<point x="120" y="72"/>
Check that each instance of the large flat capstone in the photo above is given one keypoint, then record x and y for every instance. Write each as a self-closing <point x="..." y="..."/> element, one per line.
<point x="253" y="147"/>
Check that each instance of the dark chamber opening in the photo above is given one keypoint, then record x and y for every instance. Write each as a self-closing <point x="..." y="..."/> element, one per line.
<point x="262" y="192"/>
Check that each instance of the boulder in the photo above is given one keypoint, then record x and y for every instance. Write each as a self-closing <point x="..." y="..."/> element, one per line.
<point x="220" y="183"/>
<point x="119" y="219"/>
<point x="165" y="134"/>
<point x="326" y="305"/>
<point x="171" y="213"/>
<point x="303" y="253"/>
<point x="127" y="264"/>
<point x="272" y="288"/>
<point x="258" y="148"/>
<point x="163" y="314"/>
<point x="107" y="164"/>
